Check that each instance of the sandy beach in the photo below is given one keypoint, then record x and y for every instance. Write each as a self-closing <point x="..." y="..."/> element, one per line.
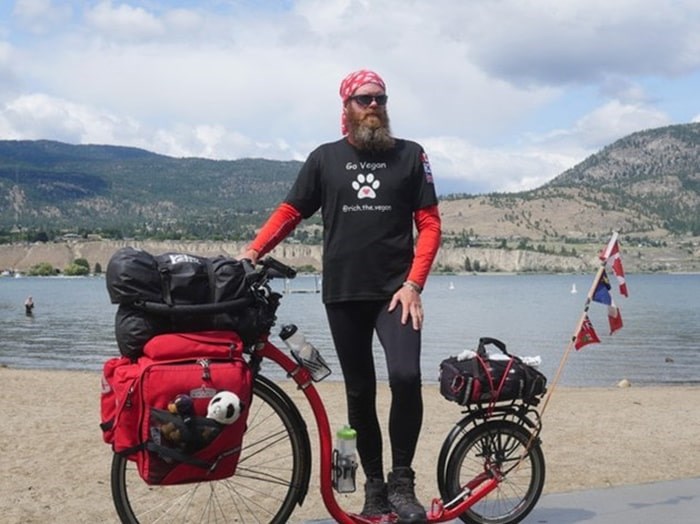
<point x="55" y="467"/>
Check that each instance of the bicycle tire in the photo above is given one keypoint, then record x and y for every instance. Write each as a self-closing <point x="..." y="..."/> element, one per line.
<point x="272" y="476"/>
<point x="499" y="442"/>
<point x="470" y="420"/>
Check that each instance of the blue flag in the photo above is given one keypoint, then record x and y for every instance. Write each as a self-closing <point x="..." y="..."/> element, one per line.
<point x="602" y="291"/>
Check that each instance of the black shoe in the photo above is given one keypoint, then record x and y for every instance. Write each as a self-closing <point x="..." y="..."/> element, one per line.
<point x="402" y="496"/>
<point x="376" y="501"/>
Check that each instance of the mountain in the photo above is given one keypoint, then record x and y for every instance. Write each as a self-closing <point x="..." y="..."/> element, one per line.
<point x="645" y="185"/>
<point x="47" y="185"/>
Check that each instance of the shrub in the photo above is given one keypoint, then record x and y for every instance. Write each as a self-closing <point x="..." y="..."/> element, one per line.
<point x="42" y="269"/>
<point x="76" y="270"/>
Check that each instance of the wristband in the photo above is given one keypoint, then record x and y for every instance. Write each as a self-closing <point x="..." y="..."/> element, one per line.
<point x="415" y="287"/>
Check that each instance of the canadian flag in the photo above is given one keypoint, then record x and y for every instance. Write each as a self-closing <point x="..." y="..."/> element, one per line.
<point x="611" y="256"/>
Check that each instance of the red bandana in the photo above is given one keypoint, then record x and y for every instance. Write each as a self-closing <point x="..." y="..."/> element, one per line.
<point x="350" y="84"/>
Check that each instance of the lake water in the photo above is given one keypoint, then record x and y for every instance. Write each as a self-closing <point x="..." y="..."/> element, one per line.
<point x="72" y="326"/>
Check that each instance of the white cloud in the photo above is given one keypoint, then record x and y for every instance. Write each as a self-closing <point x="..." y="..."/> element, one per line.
<point x="39" y="116"/>
<point x="40" y="16"/>
<point x="123" y="22"/>
<point x="604" y="125"/>
<point x="482" y="170"/>
<point x="485" y="86"/>
<point x="550" y="42"/>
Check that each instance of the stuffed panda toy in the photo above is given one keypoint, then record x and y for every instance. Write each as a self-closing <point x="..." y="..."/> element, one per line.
<point x="225" y="407"/>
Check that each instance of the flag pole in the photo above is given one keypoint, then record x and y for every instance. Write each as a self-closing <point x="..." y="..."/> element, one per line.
<point x="579" y="325"/>
<point x="589" y="297"/>
<point x="564" y="359"/>
<point x="608" y="249"/>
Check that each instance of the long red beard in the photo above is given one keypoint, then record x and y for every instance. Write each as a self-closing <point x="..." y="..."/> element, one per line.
<point x="370" y="132"/>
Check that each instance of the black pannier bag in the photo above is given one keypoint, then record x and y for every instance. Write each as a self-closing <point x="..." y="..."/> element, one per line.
<point x="490" y="378"/>
<point x="135" y="277"/>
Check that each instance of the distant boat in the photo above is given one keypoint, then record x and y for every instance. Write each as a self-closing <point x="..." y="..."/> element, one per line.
<point x="573" y="288"/>
<point x="451" y="286"/>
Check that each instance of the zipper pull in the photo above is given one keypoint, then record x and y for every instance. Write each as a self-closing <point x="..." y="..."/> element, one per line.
<point x="127" y="401"/>
<point x="206" y="374"/>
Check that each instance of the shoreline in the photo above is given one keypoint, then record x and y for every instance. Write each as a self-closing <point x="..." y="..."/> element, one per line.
<point x="433" y="273"/>
<point x="427" y="382"/>
<point x="56" y="466"/>
<point x="22" y="256"/>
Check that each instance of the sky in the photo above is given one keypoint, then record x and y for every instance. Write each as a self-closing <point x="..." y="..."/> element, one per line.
<point x="504" y="95"/>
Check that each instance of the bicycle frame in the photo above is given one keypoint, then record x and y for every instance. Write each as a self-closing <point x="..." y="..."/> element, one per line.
<point x="473" y="492"/>
<point x="464" y="486"/>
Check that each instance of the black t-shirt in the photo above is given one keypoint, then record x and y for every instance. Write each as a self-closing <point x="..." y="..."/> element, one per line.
<point x="367" y="202"/>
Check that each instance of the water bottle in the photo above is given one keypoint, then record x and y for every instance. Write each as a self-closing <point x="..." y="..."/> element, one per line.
<point x="304" y="352"/>
<point x="344" y="460"/>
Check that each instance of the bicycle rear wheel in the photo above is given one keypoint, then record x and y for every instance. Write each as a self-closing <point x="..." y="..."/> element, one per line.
<point x="272" y="476"/>
<point x="498" y="445"/>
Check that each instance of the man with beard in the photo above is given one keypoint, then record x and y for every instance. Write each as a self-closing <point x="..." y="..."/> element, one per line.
<point x="371" y="188"/>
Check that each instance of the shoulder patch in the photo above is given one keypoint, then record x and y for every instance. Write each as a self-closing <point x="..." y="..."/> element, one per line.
<point x="426" y="168"/>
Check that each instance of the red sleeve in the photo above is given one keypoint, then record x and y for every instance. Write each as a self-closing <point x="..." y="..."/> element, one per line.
<point x="427" y="222"/>
<point x="282" y="221"/>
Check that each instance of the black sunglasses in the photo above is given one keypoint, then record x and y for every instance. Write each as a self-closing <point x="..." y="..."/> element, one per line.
<point x="366" y="100"/>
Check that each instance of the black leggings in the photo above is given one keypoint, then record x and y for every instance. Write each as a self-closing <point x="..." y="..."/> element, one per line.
<point x="352" y="325"/>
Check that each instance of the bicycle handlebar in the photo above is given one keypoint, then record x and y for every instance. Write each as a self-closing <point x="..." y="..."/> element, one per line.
<point x="276" y="269"/>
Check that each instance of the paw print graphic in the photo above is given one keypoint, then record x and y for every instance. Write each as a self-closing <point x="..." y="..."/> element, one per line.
<point x="365" y="186"/>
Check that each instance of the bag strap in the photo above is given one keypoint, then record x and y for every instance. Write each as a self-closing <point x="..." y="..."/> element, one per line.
<point x="211" y="275"/>
<point x="165" y="278"/>
<point x="158" y="308"/>
<point x="484" y="369"/>
<point x="485" y="341"/>
<point x="188" y="459"/>
<point x="503" y="379"/>
<point x="174" y="454"/>
<point x="130" y="451"/>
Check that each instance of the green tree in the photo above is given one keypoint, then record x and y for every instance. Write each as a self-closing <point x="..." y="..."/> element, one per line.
<point x="82" y="262"/>
<point x="467" y="264"/>
<point x="42" y="269"/>
<point x="76" y="270"/>
<point x="41" y="236"/>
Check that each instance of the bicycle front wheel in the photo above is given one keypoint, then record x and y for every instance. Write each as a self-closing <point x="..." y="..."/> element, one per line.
<point x="271" y="478"/>
<point x="497" y="446"/>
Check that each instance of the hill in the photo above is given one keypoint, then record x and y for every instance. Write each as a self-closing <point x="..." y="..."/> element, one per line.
<point x="645" y="185"/>
<point x="49" y="186"/>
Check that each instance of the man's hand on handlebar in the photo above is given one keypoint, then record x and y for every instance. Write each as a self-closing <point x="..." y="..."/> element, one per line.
<point x="249" y="254"/>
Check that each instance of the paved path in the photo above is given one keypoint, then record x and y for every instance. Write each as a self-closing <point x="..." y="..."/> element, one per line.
<point x="672" y="502"/>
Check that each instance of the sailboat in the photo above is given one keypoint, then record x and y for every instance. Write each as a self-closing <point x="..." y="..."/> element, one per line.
<point x="573" y="288"/>
<point x="451" y="286"/>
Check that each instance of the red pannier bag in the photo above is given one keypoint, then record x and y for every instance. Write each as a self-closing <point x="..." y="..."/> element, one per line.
<point x="139" y="403"/>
